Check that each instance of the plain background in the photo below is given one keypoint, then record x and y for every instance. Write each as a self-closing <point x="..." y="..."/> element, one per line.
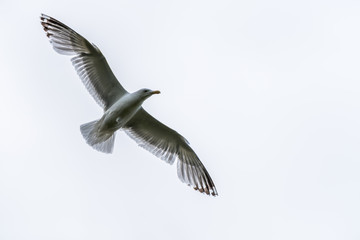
<point x="267" y="93"/>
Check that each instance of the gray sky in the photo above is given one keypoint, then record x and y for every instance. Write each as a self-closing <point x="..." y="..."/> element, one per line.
<point x="267" y="93"/>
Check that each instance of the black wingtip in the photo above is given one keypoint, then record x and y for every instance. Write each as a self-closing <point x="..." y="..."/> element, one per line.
<point x="212" y="191"/>
<point x="43" y="17"/>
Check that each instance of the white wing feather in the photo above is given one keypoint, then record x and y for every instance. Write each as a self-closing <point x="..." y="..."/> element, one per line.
<point x="168" y="145"/>
<point x="89" y="62"/>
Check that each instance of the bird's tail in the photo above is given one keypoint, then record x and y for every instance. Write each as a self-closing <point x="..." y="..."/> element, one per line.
<point x="103" y="142"/>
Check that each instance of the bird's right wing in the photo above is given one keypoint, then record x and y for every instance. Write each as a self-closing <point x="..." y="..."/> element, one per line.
<point x="89" y="62"/>
<point x="168" y="145"/>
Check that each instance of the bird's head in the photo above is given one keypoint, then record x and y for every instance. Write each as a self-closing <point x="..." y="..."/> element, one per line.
<point x="146" y="93"/>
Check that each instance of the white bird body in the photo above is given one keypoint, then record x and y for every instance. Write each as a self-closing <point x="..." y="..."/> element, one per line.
<point x="123" y="110"/>
<point x="100" y="134"/>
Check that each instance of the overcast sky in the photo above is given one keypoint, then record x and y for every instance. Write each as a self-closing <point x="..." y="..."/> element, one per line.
<point x="266" y="92"/>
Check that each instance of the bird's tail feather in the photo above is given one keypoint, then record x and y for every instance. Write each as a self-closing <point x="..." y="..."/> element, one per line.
<point x="103" y="142"/>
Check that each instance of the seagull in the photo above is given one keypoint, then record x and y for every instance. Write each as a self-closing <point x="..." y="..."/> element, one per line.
<point x="123" y="110"/>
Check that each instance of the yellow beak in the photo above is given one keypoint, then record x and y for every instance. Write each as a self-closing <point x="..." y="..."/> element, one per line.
<point x="155" y="92"/>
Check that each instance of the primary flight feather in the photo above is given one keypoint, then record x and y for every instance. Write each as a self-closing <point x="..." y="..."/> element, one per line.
<point x="123" y="110"/>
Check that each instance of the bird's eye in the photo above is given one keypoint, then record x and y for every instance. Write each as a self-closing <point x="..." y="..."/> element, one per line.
<point x="146" y="90"/>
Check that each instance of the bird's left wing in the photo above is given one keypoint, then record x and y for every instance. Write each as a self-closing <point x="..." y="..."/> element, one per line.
<point x="89" y="62"/>
<point x="168" y="145"/>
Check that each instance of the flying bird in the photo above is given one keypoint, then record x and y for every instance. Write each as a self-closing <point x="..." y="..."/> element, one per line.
<point x="123" y="110"/>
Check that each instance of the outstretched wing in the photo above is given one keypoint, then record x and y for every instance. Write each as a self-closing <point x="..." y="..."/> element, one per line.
<point x="168" y="145"/>
<point x="89" y="62"/>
